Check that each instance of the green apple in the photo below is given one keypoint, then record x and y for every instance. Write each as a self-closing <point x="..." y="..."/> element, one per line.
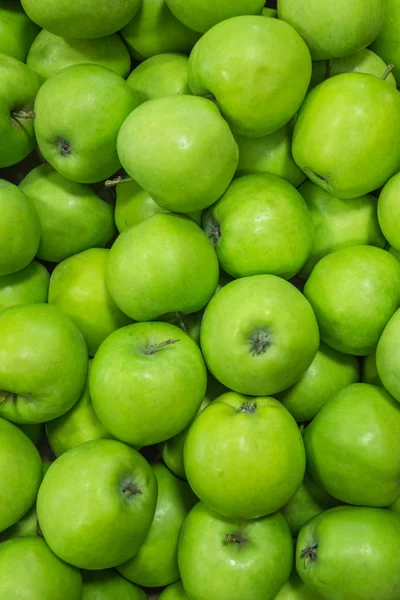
<point x="260" y="225"/>
<point x="389" y="212"/>
<point x="80" y="424"/>
<point x="164" y="264"/>
<point x="156" y="563"/>
<point x="19" y="229"/>
<point x="28" y="286"/>
<point x="78" y="113"/>
<point x="354" y="292"/>
<point x="396" y="253"/>
<point x="345" y="110"/>
<point x="386" y="44"/>
<point x="43" y="363"/>
<point x="387" y="356"/>
<point x="201" y="15"/>
<point x="99" y="486"/>
<point x="250" y="335"/>
<point x="17" y="31"/>
<point x="329" y="372"/>
<point x="160" y="76"/>
<point x="244" y="457"/>
<point x="224" y="558"/>
<point x="108" y="585"/>
<point x="351" y="552"/>
<point x="339" y="223"/>
<point x="50" y="54"/>
<point x="147" y="382"/>
<point x="268" y="58"/>
<point x="78" y="288"/>
<point x="81" y="20"/>
<point x="369" y="370"/>
<point x="296" y="589"/>
<point x="270" y="154"/>
<point x="180" y="150"/>
<point x="20" y="472"/>
<point x="155" y="30"/>
<point x="353" y="446"/>
<point x="19" y="88"/>
<point x="72" y="217"/>
<point x="174" y="592"/>
<point x="29" y="570"/>
<point x="332" y="31"/>
<point x="270" y="12"/>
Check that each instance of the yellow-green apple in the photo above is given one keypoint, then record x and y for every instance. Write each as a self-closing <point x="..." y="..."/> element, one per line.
<point x="296" y="589"/>
<point x="386" y="44"/>
<point x="201" y="15"/>
<point x="369" y="370"/>
<point x="108" y="585"/>
<point x="389" y="212"/>
<point x="17" y="31"/>
<point x="388" y="356"/>
<point x="174" y="592"/>
<point x="28" y="286"/>
<point x="159" y="76"/>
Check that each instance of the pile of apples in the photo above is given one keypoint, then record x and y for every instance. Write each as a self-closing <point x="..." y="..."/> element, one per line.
<point x="199" y="300"/>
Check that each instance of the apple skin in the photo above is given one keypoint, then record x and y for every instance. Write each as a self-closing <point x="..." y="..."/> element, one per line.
<point x="154" y="30"/>
<point x="334" y="31"/>
<point x="17" y="31"/>
<point x="296" y="589"/>
<point x="19" y="88"/>
<point x="201" y="15"/>
<point x="99" y="485"/>
<point x="224" y="558"/>
<point x="174" y="592"/>
<point x="147" y="281"/>
<point x="353" y="446"/>
<point x="190" y="132"/>
<point x="81" y="20"/>
<point x="344" y="110"/>
<point x="354" y="292"/>
<point x="268" y="58"/>
<point x="28" y="286"/>
<point x="369" y="370"/>
<point x="108" y="585"/>
<point x="260" y="225"/>
<point x="387" y="356"/>
<point x="50" y="54"/>
<point x="29" y="570"/>
<point x="147" y="382"/>
<point x="329" y="372"/>
<point x="351" y="552"/>
<point x="156" y="563"/>
<point x="78" y="115"/>
<point x="78" y="288"/>
<point x="389" y="212"/>
<point x="270" y="12"/>
<point x="72" y="217"/>
<point x="43" y="363"/>
<point x="250" y="337"/>
<point x="159" y="76"/>
<point x="386" y="44"/>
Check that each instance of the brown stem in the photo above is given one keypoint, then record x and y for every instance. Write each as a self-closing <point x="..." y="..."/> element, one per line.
<point x="117" y="181"/>
<point x="387" y="72"/>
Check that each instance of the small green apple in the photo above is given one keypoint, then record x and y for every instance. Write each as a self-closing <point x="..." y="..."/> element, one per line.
<point x="28" y="286"/>
<point x="50" y="54"/>
<point x="72" y="217"/>
<point x="191" y="160"/>
<point x="201" y="15"/>
<point x="174" y="592"/>
<point x="296" y="589"/>
<point x="270" y="12"/>
<point x="369" y="370"/>
<point x="224" y="558"/>
<point x="386" y="44"/>
<point x="159" y="76"/>
<point x="108" y="585"/>
<point x="99" y="486"/>
<point x="17" y="31"/>
<point x="389" y="212"/>
<point x="43" y="363"/>
<point x="78" y="113"/>
<point x="388" y="357"/>
<point x="354" y="292"/>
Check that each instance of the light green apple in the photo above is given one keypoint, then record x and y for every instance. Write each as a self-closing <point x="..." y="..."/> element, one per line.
<point x="81" y="20"/>
<point x="164" y="264"/>
<point x="50" y="54"/>
<point x="354" y="292"/>
<point x="351" y="552"/>
<point x="344" y="110"/>
<point x="29" y="570"/>
<point x="159" y="76"/>
<point x="332" y="31"/>
<point x="108" y="585"/>
<point x="155" y="30"/>
<point x="369" y="370"/>
<point x="99" y="486"/>
<point x="387" y="43"/>
<point x="260" y="225"/>
<point x="19" y="88"/>
<point x="147" y="382"/>
<point x="339" y="223"/>
<point x="28" y="286"/>
<point x="156" y="563"/>
<point x="353" y="446"/>
<point x="250" y="335"/>
<point x="224" y="558"/>
<point x="201" y="15"/>
<point x="78" y="288"/>
<point x="20" y="229"/>
<point x="80" y="424"/>
<point x="17" y="31"/>
<point x="43" y="363"/>
<point x="389" y="212"/>
<point x="296" y="589"/>
<point x="270" y="154"/>
<point x="72" y="217"/>
<point x="180" y="150"/>
<point x="20" y="472"/>
<point x="329" y="372"/>
<point x="174" y="592"/>
<point x="78" y="113"/>
<point x="244" y="457"/>
<point x="388" y="356"/>
<point x="257" y="69"/>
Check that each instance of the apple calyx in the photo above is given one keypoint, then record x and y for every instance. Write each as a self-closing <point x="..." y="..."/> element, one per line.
<point x="260" y="341"/>
<point x="238" y="539"/>
<point x="7" y="396"/>
<point x="129" y="488"/>
<point x="63" y="146"/>
<point x="387" y="71"/>
<point x="22" y="114"/>
<point x="310" y="552"/>
<point x="153" y="348"/>
<point x="213" y="231"/>
<point x="117" y="181"/>
<point x="248" y="407"/>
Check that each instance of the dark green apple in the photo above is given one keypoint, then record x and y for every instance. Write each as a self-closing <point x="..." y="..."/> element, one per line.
<point x="17" y="31"/>
<point x="28" y="286"/>
<point x="201" y="15"/>
<point x="108" y="585"/>
<point x="160" y="76"/>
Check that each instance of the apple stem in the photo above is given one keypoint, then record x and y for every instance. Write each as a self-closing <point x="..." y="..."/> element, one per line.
<point x="117" y="181"/>
<point x="387" y="72"/>
<point x="153" y="348"/>
<point x="23" y="114"/>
